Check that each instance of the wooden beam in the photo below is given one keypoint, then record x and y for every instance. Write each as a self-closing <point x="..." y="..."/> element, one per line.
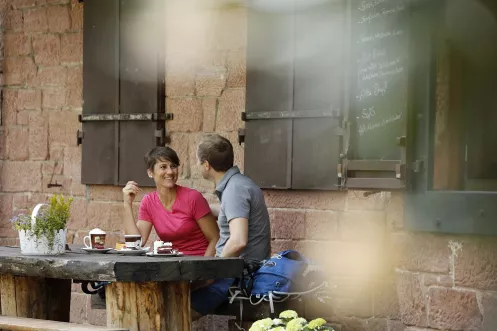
<point x="154" y="306"/>
<point x="35" y="297"/>
<point x="32" y="324"/>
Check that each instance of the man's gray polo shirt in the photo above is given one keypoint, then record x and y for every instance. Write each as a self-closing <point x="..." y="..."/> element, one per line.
<point x="241" y="198"/>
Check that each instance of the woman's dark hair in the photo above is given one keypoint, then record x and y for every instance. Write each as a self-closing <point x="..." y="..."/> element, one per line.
<point x="216" y="150"/>
<point x="161" y="153"/>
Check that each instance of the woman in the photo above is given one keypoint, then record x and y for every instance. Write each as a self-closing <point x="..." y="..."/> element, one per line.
<point x="179" y="215"/>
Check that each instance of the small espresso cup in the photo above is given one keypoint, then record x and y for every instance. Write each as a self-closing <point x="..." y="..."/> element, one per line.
<point x="96" y="239"/>
<point x="133" y="241"/>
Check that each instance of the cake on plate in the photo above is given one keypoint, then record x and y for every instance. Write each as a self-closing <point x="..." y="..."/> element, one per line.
<point x="161" y="247"/>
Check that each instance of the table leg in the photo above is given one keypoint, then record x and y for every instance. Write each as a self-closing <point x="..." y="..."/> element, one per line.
<point x="154" y="306"/>
<point x="35" y="297"/>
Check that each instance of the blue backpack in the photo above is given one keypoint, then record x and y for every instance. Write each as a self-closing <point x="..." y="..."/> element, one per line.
<point x="279" y="274"/>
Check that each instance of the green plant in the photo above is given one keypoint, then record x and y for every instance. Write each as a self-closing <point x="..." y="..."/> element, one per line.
<point x="49" y="221"/>
<point x="290" y="321"/>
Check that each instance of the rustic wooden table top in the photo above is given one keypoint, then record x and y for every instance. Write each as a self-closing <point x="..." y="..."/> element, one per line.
<point x="80" y="265"/>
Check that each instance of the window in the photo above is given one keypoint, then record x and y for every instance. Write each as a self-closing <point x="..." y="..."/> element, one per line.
<point x="123" y="89"/>
<point x="378" y="95"/>
<point x="455" y="189"/>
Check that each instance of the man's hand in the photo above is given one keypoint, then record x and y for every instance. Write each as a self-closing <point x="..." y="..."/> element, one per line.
<point x="130" y="191"/>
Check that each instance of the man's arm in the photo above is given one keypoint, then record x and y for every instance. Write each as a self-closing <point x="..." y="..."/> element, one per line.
<point x="238" y="238"/>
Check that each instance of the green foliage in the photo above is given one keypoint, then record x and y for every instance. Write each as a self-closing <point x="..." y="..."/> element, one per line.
<point x="49" y="221"/>
<point x="290" y="321"/>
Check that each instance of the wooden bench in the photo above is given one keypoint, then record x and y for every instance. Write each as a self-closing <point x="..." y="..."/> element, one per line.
<point x="33" y="324"/>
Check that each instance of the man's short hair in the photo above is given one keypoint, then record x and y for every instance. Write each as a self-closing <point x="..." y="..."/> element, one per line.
<point x="161" y="153"/>
<point x="216" y="150"/>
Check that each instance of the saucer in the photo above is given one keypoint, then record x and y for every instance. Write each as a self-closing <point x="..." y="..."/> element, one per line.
<point x="126" y="251"/>
<point x="94" y="250"/>
<point x="151" y="254"/>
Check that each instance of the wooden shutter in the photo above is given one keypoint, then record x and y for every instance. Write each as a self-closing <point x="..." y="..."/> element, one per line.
<point x="123" y="89"/>
<point x="379" y="99"/>
<point x="294" y="96"/>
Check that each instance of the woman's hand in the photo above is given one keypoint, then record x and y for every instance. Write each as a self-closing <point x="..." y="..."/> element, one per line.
<point x="130" y="191"/>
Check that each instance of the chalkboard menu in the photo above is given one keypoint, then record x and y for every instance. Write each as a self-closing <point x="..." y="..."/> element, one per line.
<point x="379" y="77"/>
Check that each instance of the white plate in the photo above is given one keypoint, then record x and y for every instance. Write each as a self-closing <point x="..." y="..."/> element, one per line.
<point x="92" y="250"/>
<point x="151" y="254"/>
<point x="132" y="251"/>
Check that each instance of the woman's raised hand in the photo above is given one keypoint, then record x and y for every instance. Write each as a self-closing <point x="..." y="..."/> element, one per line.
<point x="130" y="191"/>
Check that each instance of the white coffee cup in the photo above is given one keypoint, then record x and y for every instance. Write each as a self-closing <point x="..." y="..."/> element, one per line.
<point x="96" y="239"/>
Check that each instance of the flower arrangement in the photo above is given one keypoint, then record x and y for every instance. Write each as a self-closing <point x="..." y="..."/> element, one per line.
<point x="290" y="321"/>
<point x="49" y="221"/>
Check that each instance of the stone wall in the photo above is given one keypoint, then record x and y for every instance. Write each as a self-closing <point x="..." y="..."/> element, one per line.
<point x="385" y="278"/>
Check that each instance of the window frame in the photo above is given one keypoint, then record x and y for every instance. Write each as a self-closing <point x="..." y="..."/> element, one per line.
<point x="425" y="209"/>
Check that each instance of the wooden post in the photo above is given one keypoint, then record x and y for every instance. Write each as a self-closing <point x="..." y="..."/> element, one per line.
<point x="154" y="306"/>
<point x="35" y="297"/>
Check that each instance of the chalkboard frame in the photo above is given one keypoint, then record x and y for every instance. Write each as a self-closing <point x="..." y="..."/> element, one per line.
<point x="376" y="174"/>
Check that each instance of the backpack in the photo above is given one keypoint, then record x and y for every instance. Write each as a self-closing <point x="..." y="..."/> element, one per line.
<point x="279" y="274"/>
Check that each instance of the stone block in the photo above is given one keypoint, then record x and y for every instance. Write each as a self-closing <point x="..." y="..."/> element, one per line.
<point x="72" y="48"/>
<point x="9" y="107"/>
<point x="47" y="49"/>
<point x="99" y="215"/>
<point x="187" y="115"/>
<point x="19" y="70"/>
<point x="358" y="200"/>
<point x="278" y="245"/>
<point x="237" y="69"/>
<point x="377" y="324"/>
<point x="54" y="98"/>
<point x="287" y="224"/>
<point x="231" y="105"/>
<point x="29" y="99"/>
<point x="23" y="4"/>
<point x="58" y="18"/>
<point x="342" y="259"/>
<point x="210" y="82"/>
<point x="356" y="225"/>
<point x="38" y="135"/>
<point x="52" y="76"/>
<point x="231" y="28"/>
<point x="395" y="326"/>
<point x="385" y="300"/>
<point x="453" y="309"/>
<point x="6" y="207"/>
<point x="13" y="20"/>
<point x="180" y="82"/>
<point x="412" y="299"/>
<point x="180" y="143"/>
<point x="78" y="308"/>
<point x="351" y="297"/>
<point x="489" y="310"/>
<point x="78" y="215"/>
<point x="475" y="265"/>
<point x="16" y="44"/>
<point x="106" y="193"/>
<point x="76" y="16"/>
<point x="209" y="108"/>
<point x="96" y="316"/>
<point x="63" y="126"/>
<point x="74" y="96"/>
<point x="23" y="117"/>
<point x="63" y="184"/>
<point x="17" y="143"/>
<point x="52" y="167"/>
<point x="35" y="20"/>
<point x="395" y="211"/>
<point x="72" y="162"/>
<point x="29" y="182"/>
<point x="422" y="252"/>
<point x="321" y="225"/>
<point x="310" y="200"/>
<point x="349" y="323"/>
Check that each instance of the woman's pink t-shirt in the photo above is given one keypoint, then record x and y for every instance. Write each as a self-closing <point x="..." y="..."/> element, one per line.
<point x="178" y="226"/>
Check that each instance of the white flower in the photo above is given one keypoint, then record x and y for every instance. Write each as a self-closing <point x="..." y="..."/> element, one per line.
<point x="277" y="321"/>
<point x="288" y="314"/>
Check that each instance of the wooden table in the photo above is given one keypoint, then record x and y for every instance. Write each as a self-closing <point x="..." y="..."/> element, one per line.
<point x="146" y="293"/>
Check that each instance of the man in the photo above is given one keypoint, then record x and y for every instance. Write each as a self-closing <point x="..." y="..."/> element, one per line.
<point x="243" y="218"/>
